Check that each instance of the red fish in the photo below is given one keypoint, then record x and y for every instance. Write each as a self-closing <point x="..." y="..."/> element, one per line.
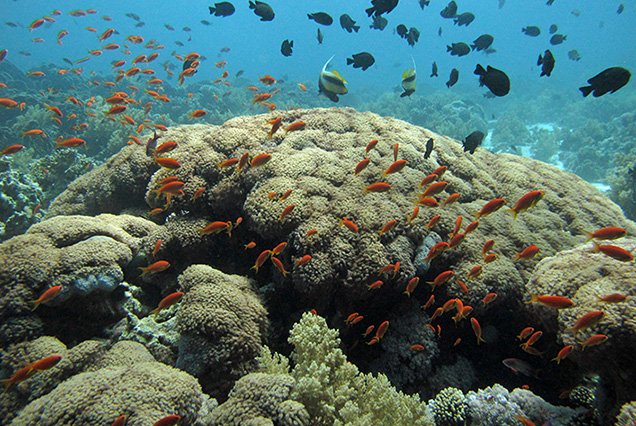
<point x="370" y="146"/>
<point x="158" y="266"/>
<point x="441" y="278"/>
<point x="477" y="330"/>
<point x="267" y="80"/>
<point x="260" y="159"/>
<point x="48" y="295"/>
<point x="295" y="126"/>
<point x="119" y="421"/>
<point x="527" y="253"/>
<point x="527" y="201"/>
<point x="615" y="252"/>
<point x="613" y="298"/>
<point x="410" y="218"/>
<point x="349" y="224"/>
<point x="168" y="163"/>
<point x="587" y="320"/>
<point x="594" y="340"/>
<point x="525" y="333"/>
<point x="11" y="149"/>
<point x="434" y="188"/>
<point x="395" y="167"/>
<point x="563" y="353"/>
<point x="558" y="302"/>
<point x="216" y="227"/>
<point x="279" y="265"/>
<point x="609" y="233"/>
<point x="303" y="260"/>
<point x="170" y="420"/>
<point x="490" y="207"/>
<point x="387" y="227"/>
<point x="411" y="285"/>
<point x="361" y="166"/>
<point x="168" y="301"/>
<point x="375" y="284"/>
<point x="276" y="123"/>
<point x="197" y="113"/>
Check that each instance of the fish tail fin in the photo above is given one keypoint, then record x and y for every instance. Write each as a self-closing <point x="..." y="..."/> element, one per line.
<point x="144" y="271"/>
<point x="252" y="5"/>
<point x="370" y="11"/>
<point x="155" y="311"/>
<point x="408" y="294"/>
<point x="586" y="90"/>
<point x="589" y="235"/>
<point x="356" y="28"/>
<point x="479" y="70"/>
<point x="448" y="48"/>
<point x="533" y="298"/>
<point x="596" y="247"/>
<point x="35" y="305"/>
<point x="514" y="213"/>
<point x="349" y="61"/>
<point x="212" y="10"/>
<point x="540" y="60"/>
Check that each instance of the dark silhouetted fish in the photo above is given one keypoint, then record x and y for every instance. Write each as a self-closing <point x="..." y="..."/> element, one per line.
<point x="429" y="148"/>
<point x="379" y="7"/>
<point x="620" y="9"/>
<point x="263" y="10"/>
<point x="464" y="19"/>
<point x="439" y="31"/>
<point x="413" y="36"/>
<point x="286" y="48"/>
<point x="531" y="31"/>
<point x="133" y="16"/>
<point x="576" y="13"/>
<point x="472" y="141"/>
<point x="348" y="24"/>
<point x="169" y="27"/>
<point x="550" y="2"/>
<point x="11" y="24"/>
<point x="321" y="18"/>
<point x="424" y="3"/>
<point x="502" y="3"/>
<point x="68" y="61"/>
<point x="458" y="49"/>
<point x="224" y="8"/>
<point x="553" y="29"/>
<point x="319" y="36"/>
<point x="379" y="23"/>
<point x="547" y="63"/>
<point x="482" y="42"/>
<point x="140" y="24"/>
<point x="361" y="60"/>
<point x="187" y="29"/>
<point x="607" y="81"/>
<point x="178" y="43"/>
<point x="450" y="11"/>
<point x="495" y="80"/>
<point x="434" y="70"/>
<point x="557" y="39"/>
<point x="205" y="22"/>
<point x="574" y="55"/>
<point x="452" y="79"/>
<point x="240" y="73"/>
<point x="401" y="30"/>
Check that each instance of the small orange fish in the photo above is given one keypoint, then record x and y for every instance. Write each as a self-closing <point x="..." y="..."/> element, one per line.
<point x="410" y="218"/>
<point x="361" y="166"/>
<point x="276" y="123"/>
<point x="489" y="298"/>
<point x="243" y="161"/>
<point x="488" y="245"/>
<point x="429" y="302"/>
<point x="375" y="284"/>
<point x="378" y="187"/>
<point x="490" y="207"/>
<point x="474" y="272"/>
<point x="349" y="224"/>
<point x="609" y="233"/>
<point x="456" y="240"/>
<point x="261" y="97"/>
<point x="278" y="249"/>
<point x="387" y="227"/>
<point x="441" y="279"/>
<point x="30" y="369"/>
<point x="428" y="202"/>
<point x="296" y="125"/>
<point x="417" y="347"/>
<point x="158" y="266"/>
<point x="287" y="210"/>
<point x="428" y="179"/>
<point x="434" y="188"/>
<point x="156" y="249"/>
<point x="168" y="163"/>
<point x="267" y="80"/>
<point x="250" y="245"/>
<point x="613" y="298"/>
<point x="490" y="257"/>
<point x="311" y="232"/>
<point x="11" y="149"/>
<point x="462" y="286"/>
<point x="302" y="87"/>
<point x="120" y="421"/>
<point x="48" y="295"/>
<point x="216" y="227"/>
<point x="198" y="193"/>
<point x="54" y="110"/>
<point x="558" y="302"/>
<point x="395" y="167"/>
<point x="34" y="132"/>
<point x="615" y="252"/>
<point x="197" y="113"/>
<point x="166" y="147"/>
<point x="303" y="260"/>
<point x="527" y="201"/>
<point x="431" y="223"/>
<point x="451" y="198"/>
<point x="594" y="340"/>
<point x="563" y="353"/>
<point x="8" y="103"/>
<point x="260" y="260"/>
<point x="471" y="227"/>
<point x="532" y="339"/>
<point x="370" y="146"/>
<point x="525" y="333"/>
<point x="171" y="420"/>
<point x="279" y="265"/>
<point x="285" y="195"/>
<point x="381" y="331"/>
<point x="436" y="250"/>
<point x="589" y="319"/>
<point x="411" y="285"/>
<point x="527" y="253"/>
<point x="116" y="109"/>
<point x="168" y="301"/>
<point x="260" y="159"/>
<point x="396" y="149"/>
<point x="477" y="330"/>
<point x="368" y="331"/>
<point x="228" y="163"/>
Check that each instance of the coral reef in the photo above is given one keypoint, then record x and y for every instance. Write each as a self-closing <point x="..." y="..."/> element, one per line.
<point x="19" y="196"/>
<point x="449" y="407"/>
<point x="627" y="415"/>
<point x="222" y="325"/>
<point x="584" y="276"/>
<point x="623" y="183"/>
<point x="85" y="255"/>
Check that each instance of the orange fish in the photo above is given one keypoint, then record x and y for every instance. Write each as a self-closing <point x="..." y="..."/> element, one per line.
<point x="370" y="146"/>
<point x="279" y="265"/>
<point x="168" y="301"/>
<point x="613" y="298"/>
<point x="525" y="333"/>
<point x="527" y="253"/>
<point x="609" y="233"/>
<point x="410" y="218"/>
<point x="276" y="123"/>
<point x="428" y="179"/>
<point x="8" y="103"/>
<point x="474" y="272"/>
<point x="527" y="201"/>
<point x="55" y="110"/>
<point x="532" y="340"/>
<point x="490" y="257"/>
<point x="197" y="113"/>
<point x="411" y="285"/>
<point x="267" y="80"/>
<point x="361" y="166"/>
<point x="228" y="163"/>
<point x="261" y="97"/>
<point x="171" y="420"/>
<point x="387" y="227"/>
<point x="174" y="187"/>
<point x="156" y="249"/>
<point x="296" y="125"/>
<point x="558" y="302"/>
<point x="48" y="295"/>
<point x="30" y="369"/>
<point x="490" y="207"/>
<point x="168" y="163"/>
<point x="428" y="202"/>
<point x="417" y="347"/>
<point x="158" y="266"/>
<point x="395" y="167"/>
<point x="587" y="320"/>
<point x="311" y="232"/>
<point x="489" y="298"/>
<point x="462" y="286"/>
<point x="166" y="147"/>
<point x="349" y="224"/>
<point x="477" y="330"/>
<point x="71" y="143"/>
<point x="378" y="187"/>
<point x="396" y="149"/>
<point x="120" y="421"/>
<point x="116" y="109"/>
<point x="614" y="252"/>
<point x="303" y="260"/>
<point x="260" y="159"/>
<point x="431" y="223"/>
<point x="287" y="210"/>
<point x="11" y="149"/>
<point x="434" y="188"/>
<point x="429" y="302"/>
<point x="381" y="331"/>
<point x="250" y="245"/>
<point x="109" y="32"/>
<point x="456" y="240"/>
<point x="278" y="249"/>
<point x="440" y="170"/>
<point x="594" y="340"/>
<point x="198" y="193"/>
<point x="260" y="260"/>
<point x="436" y="250"/>
<point x="451" y="198"/>
<point x="563" y="353"/>
<point x="302" y="87"/>
<point x="471" y="227"/>
<point x="488" y="245"/>
<point x="441" y="279"/>
<point x="375" y="284"/>
<point x="216" y="227"/>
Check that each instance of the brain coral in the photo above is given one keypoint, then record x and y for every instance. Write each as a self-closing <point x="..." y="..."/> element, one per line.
<point x="584" y="276"/>
<point x="84" y="255"/>
<point x="222" y="325"/>
<point x="126" y="381"/>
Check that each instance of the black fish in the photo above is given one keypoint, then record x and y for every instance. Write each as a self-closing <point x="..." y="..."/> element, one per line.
<point x="439" y="31"/>
<point x="472" y="141"/>
<point x="458" y="49"/>
<point x="361" y="60"/>
<point x="429" y="148"/>
<point x="205" y="22"/>
<point x="133" y="16"/>
<point x="401" y="30"/>
<point x="531" y="31"/>
<point x="379" y="23"/>
<point x="11" y="24"/>
<point x="412" y="36"/>
<point x="424" y="3"/>
<point x="224" y="8"/>
<point x="620" y="9"/>
<point x="607" y="81"/>
<point x="549" y="2"/>
<point x="286" y="48"/>
<point x="452" y="79"/>
<point x="464" y="19"/>
<point x="450" y="11"/>
<point x="348" y="24"/>
<point x="187" y="29"/>
<point x="574" y="55"/>
<point x="263" y="10"/>
<point x="557" y="39"/>
<point x="140" y="24"/>
<point x="379" y="7"/>
<point x="319" y="36"/>
<point x="178" y="43"/>
<point x="553" y="29"/>
<point x="434" y="70"/>
<point x="239" y="73"/>
<point x="321" y="18"/>
<point x="151" y="144"/>
<point x="547" y="63"/>
<point x="495" y="80"/>
<point x="482" y="42"/>
<point x="169" y="27"/>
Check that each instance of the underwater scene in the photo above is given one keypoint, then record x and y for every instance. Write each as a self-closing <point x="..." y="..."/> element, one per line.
<point x="308" y="212"/>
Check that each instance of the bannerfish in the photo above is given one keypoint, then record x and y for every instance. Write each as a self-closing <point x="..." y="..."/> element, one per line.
<point x="547" y="63"/>
<point x="409" y="81"/>
<point x="348" y="24"/>
<point x="263" y="10"/>
<point x="472" y="141"/>
<point x="330" y="83"/>
<point x="286" y="48"/>
<point x="224" y="8"/>
<point x="321" y="18"/>
<point x="361" y="60"/>
<point x="452" y="79"/>
<point x="607" y="81"/>
<point x="494" y="79"/>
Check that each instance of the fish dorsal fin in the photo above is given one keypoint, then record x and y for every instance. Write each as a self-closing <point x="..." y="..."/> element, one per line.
<point x="414" y="67"/>
<point x="324" y="68"/>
